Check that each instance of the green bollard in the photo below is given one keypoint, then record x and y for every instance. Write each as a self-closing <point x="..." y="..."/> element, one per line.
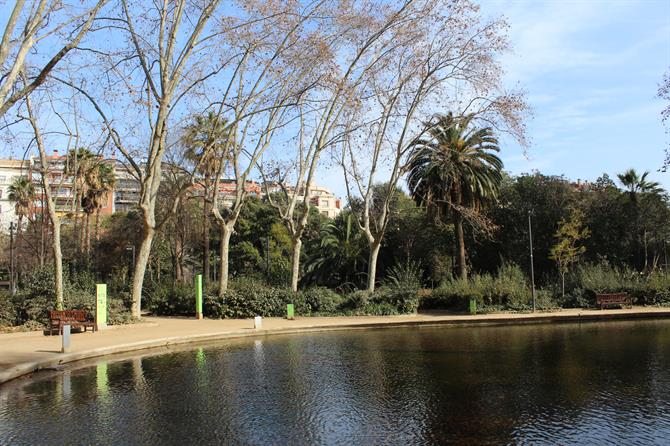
<point x="289" y="311"/>
<point x="198" y="296"/>
<point x="473" y="306"/>
<point x="100" y="306"/>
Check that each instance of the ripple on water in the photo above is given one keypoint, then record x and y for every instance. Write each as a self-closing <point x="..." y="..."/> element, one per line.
<point x="497" y="385"/>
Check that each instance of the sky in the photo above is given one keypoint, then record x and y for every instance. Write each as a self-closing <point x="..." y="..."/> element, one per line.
<point x="591" y="70"/>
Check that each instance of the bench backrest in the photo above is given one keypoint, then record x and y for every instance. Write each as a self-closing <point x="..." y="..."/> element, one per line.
<point x="68" y="315"/>
<point x="611" y="297"/>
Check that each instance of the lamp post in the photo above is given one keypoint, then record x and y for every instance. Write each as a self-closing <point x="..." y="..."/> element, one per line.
<point x="532" y="268"/>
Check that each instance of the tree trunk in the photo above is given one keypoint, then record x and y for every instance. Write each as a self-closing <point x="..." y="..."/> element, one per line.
<point x="460" y="246"/>
<point x="179" y="258"/>
<point x="563" y="285"/>
<point x="42" y="239"/>
<point x="372" y="265"/>
<point x="226" y="232"/>
<point x="58" y="265"/>
<point x="646" y="252"/>
<point x="97" y="224"/>
<point x="140" y="268"/>
<point x="87" y="234"/>
<point x="205" y="242"/>
<point x="295" y="263"/>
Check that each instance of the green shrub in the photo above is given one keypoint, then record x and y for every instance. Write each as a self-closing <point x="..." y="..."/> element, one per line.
<point x="322" y="300"/>
<point x="37" y="297"/>
<point x="408" y="275"/>
<point x="508" y="290"/>
<point x="171" y="300"/>
<point x="7" y="310"/>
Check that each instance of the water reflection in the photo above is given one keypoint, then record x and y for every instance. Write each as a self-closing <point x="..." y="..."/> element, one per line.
<point x="564" y="384"/>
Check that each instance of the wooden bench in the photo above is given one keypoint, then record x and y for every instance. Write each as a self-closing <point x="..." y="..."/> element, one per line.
<point x="613" y="300"/>
<point x="73" y="318"/>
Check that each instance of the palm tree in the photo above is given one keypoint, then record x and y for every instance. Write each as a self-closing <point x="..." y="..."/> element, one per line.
<point x="340" y="254"/>
<point x="78" y="165"/>
<point x="100" y="183"/>
<point x="455" y="170"/>
<point x="637" y="184"/>
<point x="637" y="187"/>
<point x="22" y="194"/>
<point x="205" y="139"/>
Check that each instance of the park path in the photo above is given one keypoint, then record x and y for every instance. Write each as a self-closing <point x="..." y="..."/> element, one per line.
<point x="23" y="353"/>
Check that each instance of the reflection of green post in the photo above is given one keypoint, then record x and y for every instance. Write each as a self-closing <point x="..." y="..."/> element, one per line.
<point x="289" y="311"/>
<point x="473" y="305"/>
<point x="100" y="306"/>
<point x="102" y="379"/>
<point x="198" y="296"/>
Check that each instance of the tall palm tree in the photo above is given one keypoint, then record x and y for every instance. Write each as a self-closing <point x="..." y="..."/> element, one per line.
<point x="636" y="184"/>
<point x="637" y="187"/>
<point x="22" y="194"/>
<point x="455" y="169"/>
<point x="78" y="165"/>
<point x="205" y="138"/>
<point x="100" y="183"/>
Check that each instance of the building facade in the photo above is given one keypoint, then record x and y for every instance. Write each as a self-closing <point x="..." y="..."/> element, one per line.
<point x="10" y="169"/>
<point x="319" y="196"/>
<point x="125" y="194"/>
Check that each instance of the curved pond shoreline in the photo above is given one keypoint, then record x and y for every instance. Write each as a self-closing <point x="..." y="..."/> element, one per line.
<point x="25" y="354"/>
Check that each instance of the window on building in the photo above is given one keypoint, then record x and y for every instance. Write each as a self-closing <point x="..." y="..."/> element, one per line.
<point x="323" y="203"/>
<point x="3" y="179"/>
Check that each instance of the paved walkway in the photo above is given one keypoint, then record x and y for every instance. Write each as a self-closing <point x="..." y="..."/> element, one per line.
<point x="23" y="353"/>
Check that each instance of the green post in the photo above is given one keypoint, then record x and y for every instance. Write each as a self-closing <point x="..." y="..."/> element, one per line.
<point x="473" y="305"/>
<point x="198" y="296"/>
<point x="289" y="311"/>
<point x="100" y="306"/>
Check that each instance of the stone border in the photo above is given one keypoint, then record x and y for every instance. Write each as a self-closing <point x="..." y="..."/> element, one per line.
<point x="490" y="320"/>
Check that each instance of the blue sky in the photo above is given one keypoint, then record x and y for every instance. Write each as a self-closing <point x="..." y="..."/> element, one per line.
<point x="591" y="71"/>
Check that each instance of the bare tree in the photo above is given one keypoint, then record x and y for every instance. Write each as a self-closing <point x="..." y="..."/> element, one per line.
<point x="167" y="48"/>
<point x="441" y="45"/>
<point x="274" y="65"/>
<point x="26" y="27"/>
<point x="47" y="173"/>
<point x="356" y="52"/>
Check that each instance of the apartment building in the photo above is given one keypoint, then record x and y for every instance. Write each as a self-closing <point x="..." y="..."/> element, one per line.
<point x="126" y="193"/>
<point x="319" y="196"/>
<point x="61" y="185"/>
<point x="10" y="169"/>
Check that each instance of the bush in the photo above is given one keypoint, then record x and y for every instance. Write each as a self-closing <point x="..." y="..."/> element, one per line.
<point x="407" y="275"/>
<point x="37" y="297"/>
<point x="171" y="300"/>
<point x="247" y="298"/>
<point x="508" y="290"/>
<point x="382" y="302"/>
<point x="590" y="279"/>
<point x="7" y="310"/>
<point x="322" y="300"/>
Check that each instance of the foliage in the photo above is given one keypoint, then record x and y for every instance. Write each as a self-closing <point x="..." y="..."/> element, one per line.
<point x="457" y="172"/>
<point x="508" y="289"/>
<point x="8" y="314"/>
<point x="406" y="276"/>
<point x="36" y="298"/>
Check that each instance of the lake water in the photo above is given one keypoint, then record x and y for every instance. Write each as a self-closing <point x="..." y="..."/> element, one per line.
<point x="592" y="383"/>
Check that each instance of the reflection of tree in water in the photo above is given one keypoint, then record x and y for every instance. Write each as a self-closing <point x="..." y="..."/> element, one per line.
<point x="561" y="383"/>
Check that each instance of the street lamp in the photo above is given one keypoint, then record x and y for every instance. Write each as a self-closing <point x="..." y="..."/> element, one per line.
<point x="532" y="268"/>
